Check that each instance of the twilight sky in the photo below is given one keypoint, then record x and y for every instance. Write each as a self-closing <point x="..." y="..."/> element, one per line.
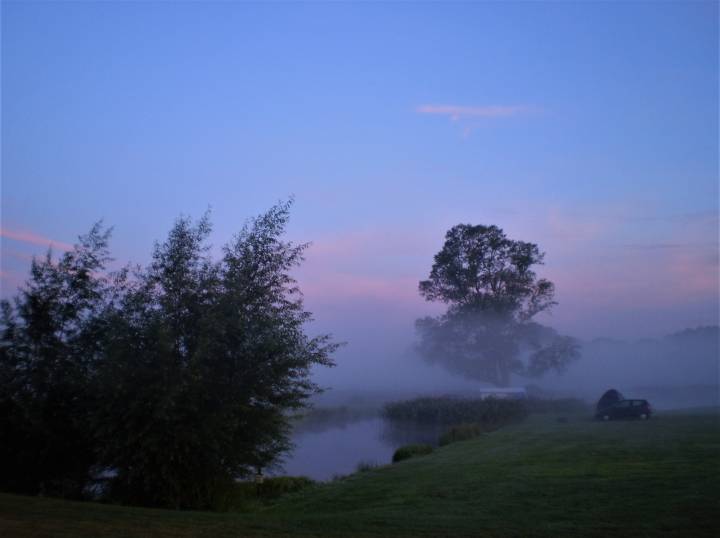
<point x="588" y="128"/>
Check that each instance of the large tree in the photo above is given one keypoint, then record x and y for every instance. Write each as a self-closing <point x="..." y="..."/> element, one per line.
<point x="493" y="294"/>
<point x="178" y="377"/>
<point x="49" y="355"/>
<point x="204" y="362"/>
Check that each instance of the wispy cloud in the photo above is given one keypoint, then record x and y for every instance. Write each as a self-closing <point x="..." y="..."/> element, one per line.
<point x="655" y="246"/>
<point x="458" y="112"/>
<point x="33" y="239"/>
<point x="710" y="217"/>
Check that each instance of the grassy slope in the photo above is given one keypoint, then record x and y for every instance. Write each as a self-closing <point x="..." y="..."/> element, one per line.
<point x="540" y="478"/>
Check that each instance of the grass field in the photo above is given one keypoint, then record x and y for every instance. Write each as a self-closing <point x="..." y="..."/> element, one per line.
<point x="539" y="478"/>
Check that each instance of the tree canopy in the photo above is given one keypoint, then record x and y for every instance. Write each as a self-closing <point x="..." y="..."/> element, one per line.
<point x="177" y="377"/>
<point x="50" y="353"/>
<point x="493" y="294"/>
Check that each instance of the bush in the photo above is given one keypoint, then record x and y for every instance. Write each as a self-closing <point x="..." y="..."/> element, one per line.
<point x="410" y="451"/>
<point x="463" y="432"/>
<point x="365" y="466"/>
<point x="450" y="410"/>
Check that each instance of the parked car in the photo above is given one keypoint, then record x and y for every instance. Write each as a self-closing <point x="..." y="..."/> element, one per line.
<point x="610" y="397"/>
<point x="625" y="409"/>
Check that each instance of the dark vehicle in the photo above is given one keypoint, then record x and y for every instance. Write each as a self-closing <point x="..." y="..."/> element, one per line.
<point x="625" y="409"/>
<point x="610" y="397"/>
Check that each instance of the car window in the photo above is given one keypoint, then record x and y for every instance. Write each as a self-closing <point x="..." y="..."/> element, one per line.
<point x="637" y="403"/>
<point x="625" y="403"/>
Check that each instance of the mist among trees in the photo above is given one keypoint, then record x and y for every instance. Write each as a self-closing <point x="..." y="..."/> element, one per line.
<point x="493" y="294"/>
<point x="166" y="383"/>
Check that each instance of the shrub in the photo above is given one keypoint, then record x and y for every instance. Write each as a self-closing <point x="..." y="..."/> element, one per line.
<point x="410" y="451"/>
<point x="461" y="432"/>
<point x="365" y="466"/>
<point x="451" y="410"/>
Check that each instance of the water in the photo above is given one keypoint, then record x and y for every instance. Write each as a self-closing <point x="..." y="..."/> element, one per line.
<point x="337" y="448"/>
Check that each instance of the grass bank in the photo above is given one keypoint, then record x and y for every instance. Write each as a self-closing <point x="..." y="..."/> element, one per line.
<point x="538" y="478"/>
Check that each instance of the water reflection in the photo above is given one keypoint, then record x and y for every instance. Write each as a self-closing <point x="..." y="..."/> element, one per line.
<point x="323" y="453"/>
<point x="397" y="434"/>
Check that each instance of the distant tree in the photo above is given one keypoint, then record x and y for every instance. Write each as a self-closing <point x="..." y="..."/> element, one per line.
<point x="204" y="361"/>
<point x="49" y="352"/>
<point x="492" y="293"/>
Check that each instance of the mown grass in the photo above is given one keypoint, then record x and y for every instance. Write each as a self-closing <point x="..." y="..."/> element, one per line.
<point x="539" y="478"/>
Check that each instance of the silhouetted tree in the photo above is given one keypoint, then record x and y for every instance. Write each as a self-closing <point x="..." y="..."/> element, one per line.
<point x="204" y="360"/>
<point x="49" y="353"/>
<point x="492" y="293"/>
<point x="178" y="377"/>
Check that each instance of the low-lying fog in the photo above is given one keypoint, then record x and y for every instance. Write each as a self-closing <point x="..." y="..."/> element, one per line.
<point x="677" y="370"/>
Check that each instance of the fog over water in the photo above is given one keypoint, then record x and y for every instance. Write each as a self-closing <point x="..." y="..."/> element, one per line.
<point x="379" y="357"/>
<point x="378" y="364"/>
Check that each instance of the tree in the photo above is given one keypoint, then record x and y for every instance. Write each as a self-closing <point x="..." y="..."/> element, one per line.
<point x="177" y="378"/>
<point x="49" y="353"/>
<point x="204" y="361"/>
<point x="492" y="293"/>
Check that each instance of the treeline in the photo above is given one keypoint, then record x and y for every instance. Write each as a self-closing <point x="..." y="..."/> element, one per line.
<point x="451" y="410"/>
<point x="165" y="382"/>
<point x="486" y="413"/>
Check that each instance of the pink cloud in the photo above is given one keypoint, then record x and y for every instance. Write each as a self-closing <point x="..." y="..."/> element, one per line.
<point x="694" y="273"/>
<point x="457" y="112"/>
<point x="33" y="239"/>
<point x="344" y="286"/>
<point x="370" y="264"/>
<point x="627" y="279"/>
<point x="370" y="243"/>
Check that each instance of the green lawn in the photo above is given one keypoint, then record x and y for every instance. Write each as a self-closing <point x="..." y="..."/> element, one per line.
<point x="539" y="478"/>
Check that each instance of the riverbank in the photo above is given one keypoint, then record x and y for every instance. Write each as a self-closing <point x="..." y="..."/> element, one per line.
<point x="539" y="478"/>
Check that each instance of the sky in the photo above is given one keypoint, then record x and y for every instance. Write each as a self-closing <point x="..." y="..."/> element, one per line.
<point x="588" y="128"/>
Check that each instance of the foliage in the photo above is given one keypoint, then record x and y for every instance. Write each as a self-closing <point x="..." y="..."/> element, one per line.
<point x="179" y="377"/>
<point x="450" y="410"/>
<point x="461" y="432"/>
<point x="492" y="293"/>
<point x="49" y="358"/>
<point x="365" y="466"/>
<point x="204" y="361"/>
<point x="410" y="451"/>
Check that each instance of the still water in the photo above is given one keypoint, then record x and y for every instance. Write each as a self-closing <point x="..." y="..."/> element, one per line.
<point x="336" y="449"/>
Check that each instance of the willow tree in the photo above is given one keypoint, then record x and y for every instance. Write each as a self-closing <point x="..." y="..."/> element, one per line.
<point x="205" y="360"/>
<point x="178" y="377"/>
<point x="492" y="293"/>
<point x="50" y="351"/>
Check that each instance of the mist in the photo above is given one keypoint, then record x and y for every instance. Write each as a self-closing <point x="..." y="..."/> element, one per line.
<point x="379" y="362"/>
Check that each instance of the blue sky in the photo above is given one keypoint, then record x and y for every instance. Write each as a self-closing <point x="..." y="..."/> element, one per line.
<point x="589" y="128"/>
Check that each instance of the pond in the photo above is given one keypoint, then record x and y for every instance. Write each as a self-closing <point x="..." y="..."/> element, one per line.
<point x="336" y="449"/>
